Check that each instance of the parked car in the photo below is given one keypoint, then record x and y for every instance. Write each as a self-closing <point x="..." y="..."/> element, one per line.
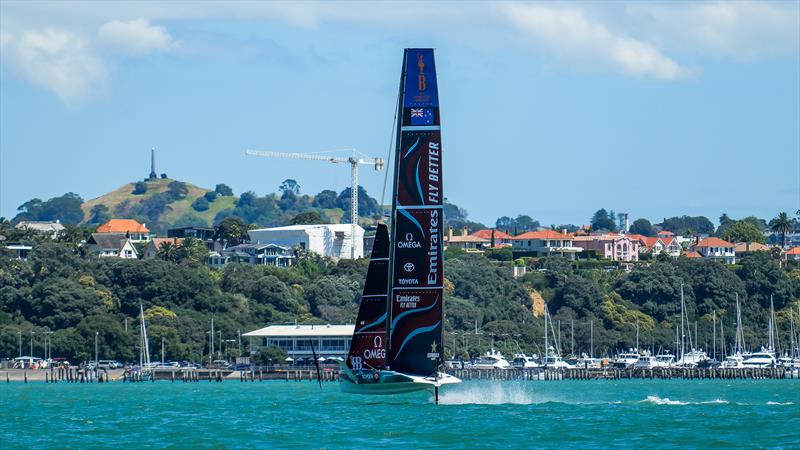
<point x="109" y="364"/>
<point x="219" y="364"/>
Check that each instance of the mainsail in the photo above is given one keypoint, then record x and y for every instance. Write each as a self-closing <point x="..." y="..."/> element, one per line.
<point x="416" y="285"/>
<point x="368" y="347"/>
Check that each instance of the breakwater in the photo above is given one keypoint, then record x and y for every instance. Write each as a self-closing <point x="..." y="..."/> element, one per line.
<point x="665" y="373"/>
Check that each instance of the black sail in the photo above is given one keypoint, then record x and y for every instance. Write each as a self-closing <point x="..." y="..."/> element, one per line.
<point x="368" y="347"/>
<point x="416" y="285"/>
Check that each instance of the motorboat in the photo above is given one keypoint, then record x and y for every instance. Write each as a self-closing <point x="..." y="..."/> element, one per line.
<point x="491" y="360"/>
<point x="763" y="358"/>
<point x="523" y="361"/>
<point x="626" y="359"/>
<point x="735" y="361"/>
<point x="585" y="362"/>
<point x="665" y="359"/>
<point x="692" y="358"/>
<point x="554" y="361"/>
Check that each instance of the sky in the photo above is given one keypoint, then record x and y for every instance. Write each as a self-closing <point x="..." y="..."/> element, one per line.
<point x="552" y="109"/>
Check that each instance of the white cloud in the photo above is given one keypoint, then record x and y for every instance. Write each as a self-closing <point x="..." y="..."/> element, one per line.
<point x="569" y="34"/>
<point x="57" y="60"/>
<point x="740" y="30"/>
<point x="135" y="37"/>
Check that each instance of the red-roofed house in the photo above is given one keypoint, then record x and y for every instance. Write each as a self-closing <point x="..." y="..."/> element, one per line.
<point x="692" y="254"/>
<point x="616" y="247"/>
<point x="466" y="242"/>
<point x="501" y="239"/>
<point x="792" y="254"/>
<point x="545" y="243"/>
<point x="665" y="234"/>
<point x="716" y="249"/>
<point x="135" y="231"/>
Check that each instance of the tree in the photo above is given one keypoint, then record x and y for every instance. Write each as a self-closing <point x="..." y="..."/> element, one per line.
<point x="233" y="230"/>
<point x="601" y="220"/>
<point x="367" y="206"/>
<point x="163" y="176"/>
<point x="307" y="218"/>
<point x="178" y="189"/>
<point x="167" y="251"/>
<point x="66" y="208"/>
<point x="270" y="355"/>
<point x="782" y="225"/>
<point x="210" y="196"/>
<point x="99" y="214"/>
<point x="201" y="204"/>
<point x="325" y="199"/>
<point x="742" y="231"/>
<point x="191" y="251"/>
<point x="289" y="185"/>
<point x="223" y="190"/>
<point x="683" y="224"/>
<point x="139" y="188"/>
<point x="642" y="226"/>
<point x="724" y="222"/>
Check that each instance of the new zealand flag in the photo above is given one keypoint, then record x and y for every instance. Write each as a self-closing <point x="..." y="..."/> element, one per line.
<point x="421" y="116"/>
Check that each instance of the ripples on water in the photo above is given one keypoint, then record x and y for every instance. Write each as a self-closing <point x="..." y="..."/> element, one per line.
<point x="654" y="413"/>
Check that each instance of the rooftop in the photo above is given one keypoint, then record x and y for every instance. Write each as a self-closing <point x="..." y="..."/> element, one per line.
<point x="302" y="330"/>
<point x="712" y="242"/>
<point x="122" y="226"/>
<point x="546" y="234"/>
<point x="487" y="234"/>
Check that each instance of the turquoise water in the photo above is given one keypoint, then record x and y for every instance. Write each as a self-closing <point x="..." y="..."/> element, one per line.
<point x="277" y="414"/>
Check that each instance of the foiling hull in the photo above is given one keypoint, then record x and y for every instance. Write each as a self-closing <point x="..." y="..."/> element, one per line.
<point x="389" y="382"/>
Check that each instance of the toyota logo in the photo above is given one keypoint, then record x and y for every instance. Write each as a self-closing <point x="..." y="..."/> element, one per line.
<point x="409" y="267"/>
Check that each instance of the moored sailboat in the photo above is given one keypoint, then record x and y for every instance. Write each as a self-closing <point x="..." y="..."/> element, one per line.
<point x="397" y="344"/>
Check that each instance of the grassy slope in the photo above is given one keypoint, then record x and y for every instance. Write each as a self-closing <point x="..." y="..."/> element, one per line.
<point x="181" y="207"/>
<point x="177" y="209"/>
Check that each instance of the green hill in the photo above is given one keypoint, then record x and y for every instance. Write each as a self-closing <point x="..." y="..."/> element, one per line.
<point x="122" y="202"/>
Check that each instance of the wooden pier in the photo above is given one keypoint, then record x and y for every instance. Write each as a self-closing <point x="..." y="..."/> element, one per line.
<point x="538" y="374"/>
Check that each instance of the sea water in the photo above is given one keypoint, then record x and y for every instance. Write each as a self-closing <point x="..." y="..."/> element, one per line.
<point x="477" y="414"/>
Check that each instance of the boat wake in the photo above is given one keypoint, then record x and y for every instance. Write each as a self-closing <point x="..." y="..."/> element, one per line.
<point x="780" y="403"/>
<point x="511" y="394"/>
<point x="656" y="400"/>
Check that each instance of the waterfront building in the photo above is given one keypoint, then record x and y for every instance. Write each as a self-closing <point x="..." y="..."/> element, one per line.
<point x="136" y="232"/>
<point x="330" y="240"/>
<point x="614" y="247"/>
<point x="716" y="249"/>
<point x="329" y="341"/>
<point x="545" y="243"/>
<point x="116" y="245"/>
<point x="258" y="254"/>
<point x="48" y="228"/>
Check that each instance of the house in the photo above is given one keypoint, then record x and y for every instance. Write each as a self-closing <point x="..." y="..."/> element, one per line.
<point x="501" y="239"/>
<point x="117" y="245"/>
<point x="747" y="248"/>
<point x="658" y="245"/>
<point x="137" y="232"/>
<point x="330" y="240"/>
<point x="544" y="243"/>
<point x="692" y="254"/>
<point x="790" y="255"/>
<point x="258" y="254"/>
<point x="616" y="247"/>
<point x="302" y="343"/>
<point x="465" y="241"/>
<point x="665" y="234"/>
<point x="205" y="234"/>
<point x="155" y="244"/>
<point x="716" y="249"/>
<point x="48" y="228"/>
<point x="20" y="251"/>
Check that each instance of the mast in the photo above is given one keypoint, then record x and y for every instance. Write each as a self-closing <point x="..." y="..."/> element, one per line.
<point x="416" y="290"/>
<point x="722" y="337"/>
<point x="683" y="333"/>
<point x="772" y="332"/>
<point x="714" y="335"/>
<point x="591" y="338"/>
<point x="546" y="348"/>
<point x="572" y="336"/>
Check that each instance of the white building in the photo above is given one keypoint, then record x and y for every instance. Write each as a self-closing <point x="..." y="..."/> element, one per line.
<point x="48" y="228"/>
<point x="330" y="341"/>
<point x="716" y="249"/>
<point x="331" y="240"/>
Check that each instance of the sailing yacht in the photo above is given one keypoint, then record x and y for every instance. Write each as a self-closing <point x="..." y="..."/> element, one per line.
<point x="145" y="368"/>
<point x="397" y="343"/>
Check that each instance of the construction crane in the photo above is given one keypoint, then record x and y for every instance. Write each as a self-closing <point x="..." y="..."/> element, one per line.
<point x="354" y="163"/>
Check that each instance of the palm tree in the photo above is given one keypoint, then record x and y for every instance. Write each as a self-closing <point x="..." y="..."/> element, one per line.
<point x="783" y="225"/>
<point x="166" y="251"/>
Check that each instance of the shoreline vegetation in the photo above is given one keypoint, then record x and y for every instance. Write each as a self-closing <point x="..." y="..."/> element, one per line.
<point x="65" y="300"/>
